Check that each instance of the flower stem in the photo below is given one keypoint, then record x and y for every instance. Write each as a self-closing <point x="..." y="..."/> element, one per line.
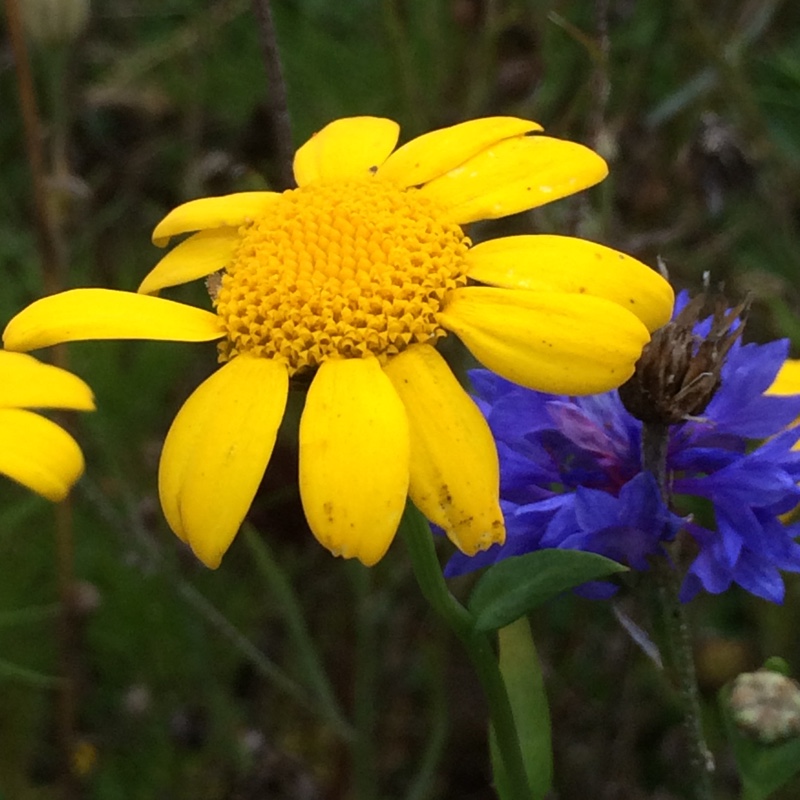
<point x="43" y="222"/>
<point x="365" y="747"/>
<point x="675" y="625"/>
<point x="437" y="723"/>
<point x="48" y="226"/>
<point x="286" y="600"/>
<point x="418" y="539"/>
<point x="279" y="103"/>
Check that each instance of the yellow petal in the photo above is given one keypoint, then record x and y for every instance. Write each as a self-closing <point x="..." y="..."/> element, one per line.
<point x="353" y="147"/>
<point x="82" y="314"/>
<point x="230" y="210"/>
<point x="197" y="257"/>
<point x="575" y="266"/>
<point x="354" y="459"/>
<point x="515" y="175"/>
<point x="38" y="453"/>
<point x="217" y="450"/>
<point x="787" y="381"/>
<point x="437" y="152"/>
<point x="28" y="383"/>
<point x="455" y="475"/>
<point x="552" y="342"/>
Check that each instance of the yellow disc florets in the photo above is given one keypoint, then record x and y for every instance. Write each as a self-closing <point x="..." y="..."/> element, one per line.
<point x="343" y="270"/>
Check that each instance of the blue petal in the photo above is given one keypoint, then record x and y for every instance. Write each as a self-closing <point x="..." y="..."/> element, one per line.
<point x="749" y="481"/>
<point x="524" y="479"/>
<point x="708" y="571"/>
<point x="754" y="366"/>
<point x="596" y="590"/>
<point x="760" y="578"/>
<point x="488" y="386"/>
<point x="578" y="427"/>
<point x="778" y="542"/>
<point x="594" y="510"/>
<point x="702" y="459"/>
<point x="641" y="504"/>
<point x="740" y="406"/>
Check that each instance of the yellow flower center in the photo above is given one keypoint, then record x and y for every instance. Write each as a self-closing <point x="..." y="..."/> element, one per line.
<point x="344" y="270"/>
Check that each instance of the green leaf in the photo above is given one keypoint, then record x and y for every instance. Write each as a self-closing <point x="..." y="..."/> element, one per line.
<point x="13" y="672"/>
<point x="779" y="665"/>
<point x="763" y="768"/>
<point x="502" y="787"/>
<point x="514" y="587"/>
<point x="522" y="673"/>
<point x="27" y="616"/>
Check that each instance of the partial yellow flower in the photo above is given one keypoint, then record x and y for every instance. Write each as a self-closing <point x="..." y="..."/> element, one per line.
<point x="357" y="274"/>
<point x="787" y="381"/>
<point x="35" y="451"/>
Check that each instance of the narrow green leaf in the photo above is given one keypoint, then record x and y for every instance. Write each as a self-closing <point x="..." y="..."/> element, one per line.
<point x="522" y="673"/>
<point x="510" y="589"/>
<point x="13" y="672"/>
<point x="308" y="654"/>
<point x="27" y="616"/>
<point x="502" y="787"/>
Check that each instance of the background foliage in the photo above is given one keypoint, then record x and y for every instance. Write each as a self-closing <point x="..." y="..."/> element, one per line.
<point x="192" y="684"/>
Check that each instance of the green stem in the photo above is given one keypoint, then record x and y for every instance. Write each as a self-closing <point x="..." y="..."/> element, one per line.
<point x="418" y="539"/>
<point x="291" y="610"/>
<point x="262" y="664"/>
<point x="676" y="635"/>
<point x="437" y="726"/>
<point x="29" y="677"/>
<point x="364" y="746"/>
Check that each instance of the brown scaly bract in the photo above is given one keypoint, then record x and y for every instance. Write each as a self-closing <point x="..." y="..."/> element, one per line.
<point x="679" y="370"/>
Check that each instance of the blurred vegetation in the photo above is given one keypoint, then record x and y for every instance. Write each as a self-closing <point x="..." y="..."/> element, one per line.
<point x="189" y="684"/>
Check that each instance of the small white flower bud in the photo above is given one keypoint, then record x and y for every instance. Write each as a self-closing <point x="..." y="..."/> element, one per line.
<point x="766" y="705"/>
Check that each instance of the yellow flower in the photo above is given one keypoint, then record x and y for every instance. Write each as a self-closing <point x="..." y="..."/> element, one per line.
<point x="35" y="451"/>
<point x="84" y="758"/>
<point x="787" y="381"/>
<point x="358" y="272"/>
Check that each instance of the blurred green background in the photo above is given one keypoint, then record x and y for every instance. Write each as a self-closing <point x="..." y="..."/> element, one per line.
<point x="197" y="685"/>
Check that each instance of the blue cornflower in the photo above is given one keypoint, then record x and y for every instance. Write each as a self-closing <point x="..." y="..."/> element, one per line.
<point x="572" y="477"/>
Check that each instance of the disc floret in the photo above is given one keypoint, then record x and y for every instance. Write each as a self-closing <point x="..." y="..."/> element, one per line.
<point x="340" y="271"/>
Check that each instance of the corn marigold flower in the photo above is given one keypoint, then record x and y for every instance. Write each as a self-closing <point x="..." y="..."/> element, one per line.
<point x="356" y="274"/>
<point x="572" y="477"/>
<point x="787" y="381"/>
<point x="36" y="452"/>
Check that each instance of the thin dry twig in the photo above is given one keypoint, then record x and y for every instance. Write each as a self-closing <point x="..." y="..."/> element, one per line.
<point x="279" y="104"/>
<point x="52" y="254"/>
<point x="47" y="238"/>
